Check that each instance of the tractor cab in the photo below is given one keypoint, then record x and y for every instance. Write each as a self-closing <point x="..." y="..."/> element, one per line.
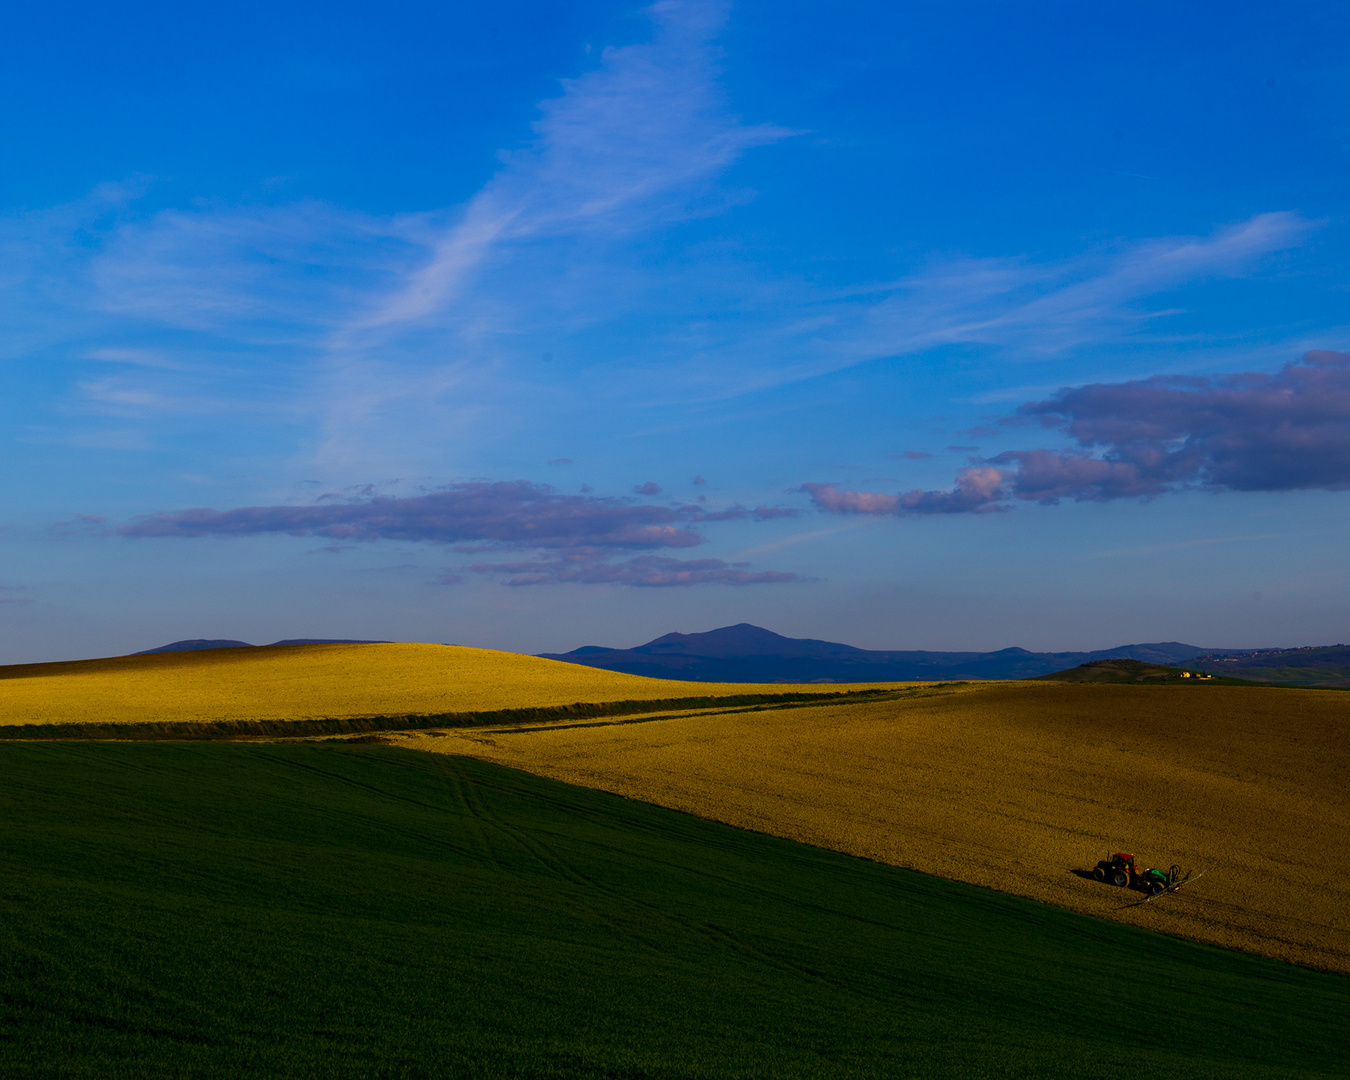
<point x="1119" y="869"/>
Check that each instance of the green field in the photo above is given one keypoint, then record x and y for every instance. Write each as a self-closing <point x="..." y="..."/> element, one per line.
<point x="327" y="910"/>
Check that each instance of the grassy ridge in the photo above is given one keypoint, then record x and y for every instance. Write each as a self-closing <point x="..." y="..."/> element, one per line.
<point x="1138" y="671"/>
<point x="1325" y="666"/>
<point x="203" y="910"/>
<point x="1327" y="678"/>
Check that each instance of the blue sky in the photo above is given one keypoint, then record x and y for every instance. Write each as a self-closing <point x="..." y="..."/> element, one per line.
<point x="912" y="326"/>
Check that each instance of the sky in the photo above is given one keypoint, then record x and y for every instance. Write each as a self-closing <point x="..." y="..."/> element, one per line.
<point x="532" y="326"/>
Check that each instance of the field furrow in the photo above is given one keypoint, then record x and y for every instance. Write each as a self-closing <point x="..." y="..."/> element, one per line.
<point x="1020" y="787"/>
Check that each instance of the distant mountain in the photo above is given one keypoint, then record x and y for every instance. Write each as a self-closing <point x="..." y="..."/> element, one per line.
<point x="193" y="644"/>
<point x="746" y="653"/>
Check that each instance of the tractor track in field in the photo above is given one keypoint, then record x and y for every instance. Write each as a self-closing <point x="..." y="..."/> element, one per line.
<point x="1015" y="786"/>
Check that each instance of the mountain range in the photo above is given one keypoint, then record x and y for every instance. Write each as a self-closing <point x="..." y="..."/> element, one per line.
<point x="746" y="653"/>
<point x="193" y="644"/>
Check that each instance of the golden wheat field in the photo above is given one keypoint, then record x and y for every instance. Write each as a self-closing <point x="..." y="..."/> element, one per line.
<point x="297" y="682"/>
<point x="1021" y="787"/>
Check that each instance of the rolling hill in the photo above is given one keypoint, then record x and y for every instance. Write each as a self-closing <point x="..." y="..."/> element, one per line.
<point x="1137" y="671"/>
<point x="288" y="684"/>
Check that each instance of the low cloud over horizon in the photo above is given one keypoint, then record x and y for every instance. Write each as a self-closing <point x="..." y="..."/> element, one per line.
<point x="1246" y="431"/>
<point x="581" y="532"/>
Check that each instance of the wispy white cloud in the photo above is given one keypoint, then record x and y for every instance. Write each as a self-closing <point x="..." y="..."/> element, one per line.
<point x="631" y="147"/>
<point x="626" y="147"/>
<point x="150" y="358"/>
<point x="755" y="331"/>
<point x="264" y="276"/>
<point x="398" y="323"/>
<point x="1055" y="306"/>
<point x="385" y="335"/>
<point x="44" y="260"/>
<point x="1026" y="308"/>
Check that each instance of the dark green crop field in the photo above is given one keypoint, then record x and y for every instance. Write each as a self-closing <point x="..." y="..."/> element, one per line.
<point x="224" y="910"/>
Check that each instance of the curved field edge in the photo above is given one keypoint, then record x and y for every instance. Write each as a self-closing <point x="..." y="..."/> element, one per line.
<point x="315" y="910"/>
<point x="175" y="730"/>
<point x="1020" y="787"/>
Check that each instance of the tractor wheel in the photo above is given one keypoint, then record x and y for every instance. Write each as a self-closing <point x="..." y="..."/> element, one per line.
<point x="1099" y="874"/>
<point x="1155" y="888"/>
<point x="1121" y="878"/>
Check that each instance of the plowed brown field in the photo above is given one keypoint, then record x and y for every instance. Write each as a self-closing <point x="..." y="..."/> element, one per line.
<point x="300" y="682"/>
<point x="1022" y="787"/>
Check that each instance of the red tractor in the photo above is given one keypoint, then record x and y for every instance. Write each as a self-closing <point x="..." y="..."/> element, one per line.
<point x="1119" y="869"/>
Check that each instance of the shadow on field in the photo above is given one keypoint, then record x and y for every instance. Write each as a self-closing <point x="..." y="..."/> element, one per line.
<point x="1087" y="875"/>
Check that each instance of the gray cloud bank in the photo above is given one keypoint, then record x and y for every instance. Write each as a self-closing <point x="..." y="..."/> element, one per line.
<point x="1239" y="432"/>
<point x="581" y="532"/>
<point x="505" y="512"/>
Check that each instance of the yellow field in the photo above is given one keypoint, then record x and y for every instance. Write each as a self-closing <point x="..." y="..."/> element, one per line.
<point x="296" y="682"/>
<point x="1022" y="787"/>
